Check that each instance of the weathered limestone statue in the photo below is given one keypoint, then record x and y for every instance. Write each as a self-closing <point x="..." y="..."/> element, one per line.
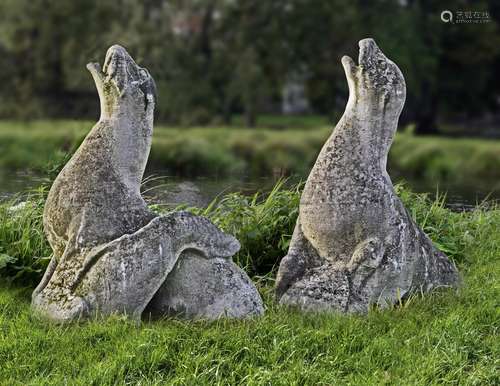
<point x="354" y="243"/>
<point x="111" y="253"/>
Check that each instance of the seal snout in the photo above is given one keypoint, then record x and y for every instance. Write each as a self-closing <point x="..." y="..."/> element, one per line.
<point x="349" y="66"/>
<point x="117" y="58"/>
<point x="367" y="43"/>
<point x="369" y="56"/>
<point x="95" y="70"/>
<point x="116" y="48"/>
<point x="369" y="53"/>
<point x="115" y="52"/>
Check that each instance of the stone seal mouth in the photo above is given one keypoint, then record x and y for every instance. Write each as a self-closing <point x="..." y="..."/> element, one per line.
<point x="120" y="69"/>
<point x="374" y="77"/>
<point x="117" y="60"/>
<point x="370" y="58"/>
<point x="369" y="54"/>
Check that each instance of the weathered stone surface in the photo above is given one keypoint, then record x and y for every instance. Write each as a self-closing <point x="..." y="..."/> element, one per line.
<point x="354" y="243"/>
<point x="222" y="289"/>
<point x="111" y="253"/>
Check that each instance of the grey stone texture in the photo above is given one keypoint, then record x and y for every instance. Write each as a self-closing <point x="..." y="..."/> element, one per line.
<point x="205" y="288"/>
<point x="111" y="254"/>
<point x="354" y="243"/>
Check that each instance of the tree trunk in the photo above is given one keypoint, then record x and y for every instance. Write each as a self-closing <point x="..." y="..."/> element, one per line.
<point x="250" y="116"/>
<point x="426" y="125"/>
<point x="426" y="114"/>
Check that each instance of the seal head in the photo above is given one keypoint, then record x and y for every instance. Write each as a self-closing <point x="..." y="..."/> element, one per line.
<point x="122" y="78"/>
<point x="376" y="80"/>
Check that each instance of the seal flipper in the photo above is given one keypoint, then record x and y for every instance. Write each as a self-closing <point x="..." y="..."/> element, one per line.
<point x="441" y="271"/>
<point x="366" y="257"/>
<point x="61" y="311"/>
<point x="126" y="273"/>
<point x="46" y="277"/>
<point x="65" y="269"/>
<point x="365" y="260"/>
<point x="59" y="281"/>
<point x="54" y="299"/>
<point x="47" y="307"/>
<point x="301" y="255"/>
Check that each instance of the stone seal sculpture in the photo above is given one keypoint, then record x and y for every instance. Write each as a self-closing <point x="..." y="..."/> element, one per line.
<point x="354" y="243"/>
<point x="111" y="254"/>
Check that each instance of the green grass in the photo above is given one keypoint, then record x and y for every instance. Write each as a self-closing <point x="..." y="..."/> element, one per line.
<point x="440" y="338"/>
<point x="446" y="159"/>
<point x="24" y="250"/>
<point x="285" y="121"/>
<point x="257" y="152"/>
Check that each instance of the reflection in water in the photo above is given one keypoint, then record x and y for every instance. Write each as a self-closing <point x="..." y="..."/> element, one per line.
<point x="200" y="191"/>
<point x="173" y="191"/>
<point x="160" y="188"/>
<point x="18" y="182"/>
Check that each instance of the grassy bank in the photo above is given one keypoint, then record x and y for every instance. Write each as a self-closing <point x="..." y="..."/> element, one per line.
<point x="442" y="338"/>
<point x="258" y="152"/>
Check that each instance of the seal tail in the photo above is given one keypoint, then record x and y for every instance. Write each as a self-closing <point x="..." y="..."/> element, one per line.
<point x="126" y="273"/>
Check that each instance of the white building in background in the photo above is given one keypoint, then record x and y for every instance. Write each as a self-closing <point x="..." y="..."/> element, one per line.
<point x="294" y="98"/>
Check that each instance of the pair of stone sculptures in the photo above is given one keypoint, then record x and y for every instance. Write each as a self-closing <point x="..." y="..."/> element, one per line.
<point x="354" y="243"/>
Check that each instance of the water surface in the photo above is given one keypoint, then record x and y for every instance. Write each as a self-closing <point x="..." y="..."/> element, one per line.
<point x="160" y="187"/>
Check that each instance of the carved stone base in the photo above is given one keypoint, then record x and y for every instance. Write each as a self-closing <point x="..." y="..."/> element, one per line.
<point x="199" y="288"/>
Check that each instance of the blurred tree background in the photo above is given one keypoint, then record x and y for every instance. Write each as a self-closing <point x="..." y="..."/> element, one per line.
<point x="213" y="59"/>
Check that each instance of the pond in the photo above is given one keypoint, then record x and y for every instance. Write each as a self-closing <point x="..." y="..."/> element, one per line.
<point x="162" y="188"/>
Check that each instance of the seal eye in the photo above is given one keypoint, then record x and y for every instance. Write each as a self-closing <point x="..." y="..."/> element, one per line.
<point x="382" y="64"/>
<point x="143" y="74"/>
